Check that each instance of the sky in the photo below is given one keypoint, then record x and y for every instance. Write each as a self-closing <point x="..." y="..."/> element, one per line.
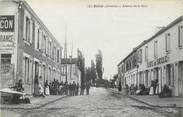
<point x="113" y="26"/>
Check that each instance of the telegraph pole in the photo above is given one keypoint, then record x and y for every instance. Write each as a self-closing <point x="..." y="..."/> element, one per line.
<point x="65" y="52"/>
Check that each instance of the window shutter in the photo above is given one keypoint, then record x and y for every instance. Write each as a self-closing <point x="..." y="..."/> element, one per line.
<point x="181" y="36"/>
<point x="31" y="29"/>
<point x="24" y="27"/>
<point x="35" y="36"/>
<point x="40" y="39"/>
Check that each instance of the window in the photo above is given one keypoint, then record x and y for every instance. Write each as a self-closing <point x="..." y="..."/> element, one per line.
<point x="49" y="50"/>
<point x="146" y="53"/>
<point x="47" y="46"/>
<point x="44" y="44"/>
<point x="5" y="58"/>
<point x="38" y="38"/>
<point x="140" y="56"/>
<point x="58" y="55"/>
<point x="54" y="53"/>
<point x="26" y="69"/>
<point x="28" y="26"/>
<point x="27" y="38"/>
<point x="180" y="36"/>
<point x="167" y="42"/>
<point x="155" y="49"/>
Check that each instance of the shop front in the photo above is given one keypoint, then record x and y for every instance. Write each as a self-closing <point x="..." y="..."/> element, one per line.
<point x="7" y="46"/>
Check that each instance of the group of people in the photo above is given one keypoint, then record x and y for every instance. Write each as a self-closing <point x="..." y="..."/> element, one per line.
<point x="56" y="88"/>
<point x="59" y="88"/>
<point x="152" y="90"/>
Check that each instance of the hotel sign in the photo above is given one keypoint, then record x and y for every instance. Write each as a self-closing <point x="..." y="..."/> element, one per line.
<point x="158" y="61"/>
<point x="7" y="23"/>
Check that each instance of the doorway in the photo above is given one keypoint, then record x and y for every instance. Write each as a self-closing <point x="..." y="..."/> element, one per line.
<point x="180" y="78"/>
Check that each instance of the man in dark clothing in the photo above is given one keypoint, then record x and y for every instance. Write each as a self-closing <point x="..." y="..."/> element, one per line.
<point x="87" y="88"/>
<point x="70" y="89"/>
<point x="66" y="87"/>
<point x="77" y="89"/>
<point x="19" y="86"/>
<point x="82" y="89"/>
<point x="73" y="88"/>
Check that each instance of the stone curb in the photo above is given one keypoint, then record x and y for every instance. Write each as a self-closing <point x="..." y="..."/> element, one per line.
<point x="145" y="102"/>
<point x="36" y="106"/>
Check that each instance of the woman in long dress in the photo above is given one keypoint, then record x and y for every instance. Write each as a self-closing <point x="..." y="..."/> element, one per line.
<point x="151" y="92"/>
<point x="36" y="86"/>
<point x="47" y="90"/>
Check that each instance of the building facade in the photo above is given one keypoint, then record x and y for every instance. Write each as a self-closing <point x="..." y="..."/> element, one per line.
<point x="27" y="47"/>
<point x="71" y="70"/>
<point x="161" y="57"/>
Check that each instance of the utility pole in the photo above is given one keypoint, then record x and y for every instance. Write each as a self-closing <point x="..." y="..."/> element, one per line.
<point x="65" y="52"/>
<point x="71" y="61"/>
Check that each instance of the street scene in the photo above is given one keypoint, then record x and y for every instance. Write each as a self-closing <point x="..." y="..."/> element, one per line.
<point x="91" y="58"/>
<point x="100" y="103"/>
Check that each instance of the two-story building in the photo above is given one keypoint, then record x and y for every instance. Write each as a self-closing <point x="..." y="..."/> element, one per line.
<point x="160" y="57"/>
<point x="27" y="48"/>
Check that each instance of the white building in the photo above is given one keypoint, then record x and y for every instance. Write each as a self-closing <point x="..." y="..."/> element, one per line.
<point x="27" y="48"/>
<point x="161" y="57"/>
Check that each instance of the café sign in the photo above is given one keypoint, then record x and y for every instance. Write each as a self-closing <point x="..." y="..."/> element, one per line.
<point x="7" y="23"/>
<point x="158" y="61"/>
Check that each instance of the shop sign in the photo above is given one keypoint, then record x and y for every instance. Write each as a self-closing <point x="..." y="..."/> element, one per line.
<point x="4" y="37"/>
<point x="7" y="23"/>
<point x="5" y="49"/>
<point x="158" y="61"/>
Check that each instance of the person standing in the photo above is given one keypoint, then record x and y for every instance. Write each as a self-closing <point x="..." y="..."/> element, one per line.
<point x="87" y="88"/>
<point x="47" y="90"/>
<point x="70" y="89"/>
<point x="77" y="89"/>
<point x="66" y="87"/>
<point x="73" y="88"/>
<point x="36" y="86"/>
<point x="82" y="89"/>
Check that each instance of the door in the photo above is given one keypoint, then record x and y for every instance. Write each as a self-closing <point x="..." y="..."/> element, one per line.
<point x="180" y="79"/>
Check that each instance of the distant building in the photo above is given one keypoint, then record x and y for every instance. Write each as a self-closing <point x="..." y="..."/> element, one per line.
<point x="160" y="57"/>
<point x="71" y="70"/>
<point x="27" y="48"/>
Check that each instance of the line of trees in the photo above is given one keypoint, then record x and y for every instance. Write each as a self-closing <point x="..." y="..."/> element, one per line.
<point x="92" y="73"/>
<point x="95" y="71"/>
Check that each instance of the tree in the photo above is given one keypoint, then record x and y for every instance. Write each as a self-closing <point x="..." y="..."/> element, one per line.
<point x="88" y="74"/>
<point x="93" y="72"/>
<point x="81" y="65"/>
<point x="99" y="63"/>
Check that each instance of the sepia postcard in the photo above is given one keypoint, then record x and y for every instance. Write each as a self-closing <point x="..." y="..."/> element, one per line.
<point x="91" y="58"/>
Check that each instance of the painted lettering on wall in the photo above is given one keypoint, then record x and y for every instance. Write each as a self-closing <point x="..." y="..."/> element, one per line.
<point x="158" y="61"/>
<point x="7" y="23"/>
<point x="6" y="37"/>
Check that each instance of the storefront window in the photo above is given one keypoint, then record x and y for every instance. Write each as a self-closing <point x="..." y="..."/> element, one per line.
<point x="5" y="58"/>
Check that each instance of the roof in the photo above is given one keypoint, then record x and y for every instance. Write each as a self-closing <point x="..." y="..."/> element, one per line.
<point x="134" y="50"/>
<point x="69" y="61"/>
<point x="27" y="6"/>
<point x="179" y="19"/>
